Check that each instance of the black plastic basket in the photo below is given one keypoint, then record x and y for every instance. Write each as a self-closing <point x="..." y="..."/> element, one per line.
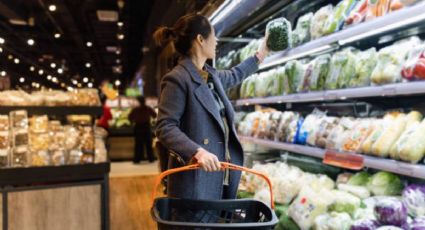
<point x="176" y="214"/>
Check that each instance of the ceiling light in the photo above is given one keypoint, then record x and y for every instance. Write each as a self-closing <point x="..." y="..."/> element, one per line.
<point x="49" y="77"/>
<point x="52" y="8"/>
<point x="16" y="60"/>
<point x="70" y="88"/>
<point x="41" y="72"/>
<point x="120" y="24"/>
<point x="89" y="44"/>
<point x="118" y="52"/>
<point x="79" y="85"/>
<point x="3" y="73"/>
<point x="32" y="68"/>
<point x="118" y="61"/>
<point x="75" y="82"/>
<point x="85" y="80"/>
<point x="54" y="79"/>
<point x="120" y="36"/>
<point x="57" y="35"/>
<point x="53" y="65"/>
<point x="21" y="80"/>
<point x="30" y="42"/>
<point x="88" y="65"/>
<point x="2" y="40"/>
<point x="90" y="85"/>
<point x="10" y="56"/>
<point x="1" y="50"/>
<point x="60" y="71"/>
<point x="63" y="85"/>
<point x="117" y="82"/>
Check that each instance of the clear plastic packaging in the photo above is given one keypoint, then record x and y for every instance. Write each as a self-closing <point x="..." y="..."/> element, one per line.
<point x="72" y="137"/>
<point x="4" y="158"/>
<point x="301" y="34"/>
<point x="20" y="156"/>
<point x="366" y="62"/>
<point x="40" y="158"/>
<point x="20" y="137"/>
<point x="320" y="72"/>
<point x="39" y="141"/>
<point x="279" y="33"/>
<point x="294" y="71"/>
<point x="19" y="119"/>
<point x="87" y="139"/>
<point x="319" y="20"/>
<point x="75" y="157"/>
<point x="4" y="139"/>
<point x="39" y="124"/>
<point x="58" y="157"/>
<point x="4" y="123"/>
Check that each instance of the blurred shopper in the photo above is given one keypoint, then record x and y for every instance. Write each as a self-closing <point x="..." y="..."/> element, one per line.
<point x="106" y="115"/>
<point x="195" y="120"/>
<point x="141" y="116"/>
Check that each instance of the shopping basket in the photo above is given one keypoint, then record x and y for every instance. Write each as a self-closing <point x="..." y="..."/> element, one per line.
<point x="176" y="214"/>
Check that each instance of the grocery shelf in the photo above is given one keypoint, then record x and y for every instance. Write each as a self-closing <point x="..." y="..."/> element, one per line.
<point x="393" y="21"/>
<point x="402" y="168"/>
<point x="55" y="110"/>
<point x="397" y="89"/>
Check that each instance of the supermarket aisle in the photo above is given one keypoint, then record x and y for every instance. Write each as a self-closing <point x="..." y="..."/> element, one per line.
<point x="130" y="195"/>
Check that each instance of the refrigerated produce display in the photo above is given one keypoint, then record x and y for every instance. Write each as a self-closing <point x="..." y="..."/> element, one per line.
<point x="334" y="115"/>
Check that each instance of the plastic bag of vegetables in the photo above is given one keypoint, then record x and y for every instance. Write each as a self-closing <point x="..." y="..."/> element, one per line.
<point x="280" y="77"/>
<point x="263" y="84"/>
<point x="414" y="68"/>
<point x="391" y="211"/>
<point x="318" y="21"/>
<point x="294" y="71"/>
<point x="385" y="184"/>
<point x="366" y="62"/>
<point x="380" y="126"/>
<point x="365" y="224"/>
<point x="359" y="134"/>
<point x="344" y="202"/>
<point x="279" y="32"/>
<point x="309" y="126"/>
<point x="413" y="150"/>
<point x="249" y="49"/>
<point x="305" y="84"/>
<point x="414" y="199"/>
<point x="242" y="90"/>
<point x="337" y="18"/>
<point x="301" y="33"/>
<point x="348" y="70"/>
<point x="339" y="59"/>
<point x="333" y="221"/>
<point x="250" y="86"/>
<point x="319" y="72"/>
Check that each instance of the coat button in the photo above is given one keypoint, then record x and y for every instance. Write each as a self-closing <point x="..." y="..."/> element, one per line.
<point x="206" y="141"/>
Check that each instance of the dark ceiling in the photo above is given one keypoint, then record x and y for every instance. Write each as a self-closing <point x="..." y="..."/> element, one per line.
<point x="78" y="22"/>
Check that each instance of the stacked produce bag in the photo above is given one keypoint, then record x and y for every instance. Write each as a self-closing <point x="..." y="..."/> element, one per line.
<point x="353" y="201"/>
<point x="348" y="68"/>
<point x="397" y="135"/>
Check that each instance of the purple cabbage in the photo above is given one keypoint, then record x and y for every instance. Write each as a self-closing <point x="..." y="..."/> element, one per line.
<point x="414" y="199"/>
<point x="418" y="223"/>
<point x="365" y="224"/>
<point x="391" y="211"/>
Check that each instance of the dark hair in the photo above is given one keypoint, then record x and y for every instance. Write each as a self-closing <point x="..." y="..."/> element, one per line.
<point x="183" y="32"/>
<point x="141" y="100"/>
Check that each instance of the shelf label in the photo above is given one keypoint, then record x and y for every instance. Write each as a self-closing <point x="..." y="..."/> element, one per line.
<point x="331" y="95"/>
<point x="386" y="91"/>
<point x="343" y="160"/>
<point x="405" y="168"/>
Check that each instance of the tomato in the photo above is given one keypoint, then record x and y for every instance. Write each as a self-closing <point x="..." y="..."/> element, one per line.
<point x="419" y="69"/>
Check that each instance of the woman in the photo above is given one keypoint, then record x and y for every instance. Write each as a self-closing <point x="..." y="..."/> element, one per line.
<point x="195" y="120"/>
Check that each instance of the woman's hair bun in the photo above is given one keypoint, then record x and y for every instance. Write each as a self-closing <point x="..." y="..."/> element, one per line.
<point x="163" y="35"/>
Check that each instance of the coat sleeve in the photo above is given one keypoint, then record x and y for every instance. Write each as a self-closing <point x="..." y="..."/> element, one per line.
<point x="170" y="110"/>
<point x="237" y="74"/>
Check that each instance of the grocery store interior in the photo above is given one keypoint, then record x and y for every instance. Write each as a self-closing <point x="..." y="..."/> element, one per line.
<point x="326" y="99"/>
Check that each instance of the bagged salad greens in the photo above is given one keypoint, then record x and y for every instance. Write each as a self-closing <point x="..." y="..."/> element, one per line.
<point x="279" y="33"/>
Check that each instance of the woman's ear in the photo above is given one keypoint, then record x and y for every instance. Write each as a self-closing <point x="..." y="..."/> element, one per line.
<point x="200" y="39"/>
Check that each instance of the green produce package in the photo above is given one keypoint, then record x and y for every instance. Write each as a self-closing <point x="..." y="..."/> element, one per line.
<point x="279" y="32"/>
<point x="333" y="221"/>
<point x="348" y="70"/>
<point x="385" y="184"/>
<point x="301" y="34"/>
<point x="366" y="62"/>
<point x="249" y="50"/>
<point x="337" y="18"/>
<point x="319" y="72"/>
<point x="339" y="59"/>
<point x="318" y="21"/>
<point x="295" y="71"/>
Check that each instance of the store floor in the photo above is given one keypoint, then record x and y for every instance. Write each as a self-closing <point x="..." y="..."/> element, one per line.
<point x="130" y="195"/>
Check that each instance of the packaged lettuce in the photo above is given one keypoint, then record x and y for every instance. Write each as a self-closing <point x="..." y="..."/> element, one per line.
<point x="261" y="85"/>
<point x="294" y="76"/>
<point x="272" y="83"/>
<point x="305" y="84"/>
<point x="366" y="62"/>
<point x="250" y="87"/>
<point x="318" y="21"/>
<point x="339" y="59"/>
<point x="242" y="90"/>
<point x="319" y="72"/>
<point x="280" y="76"/>
<point x="279" y="33"/>
<point x="301" y="34"/>
<point x="348" y="70"/>
<point x="337" y="18"/>
<point x="249" y="50"/>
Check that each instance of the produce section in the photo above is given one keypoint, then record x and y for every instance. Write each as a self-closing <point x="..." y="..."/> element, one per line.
<point x="334" y="56"/>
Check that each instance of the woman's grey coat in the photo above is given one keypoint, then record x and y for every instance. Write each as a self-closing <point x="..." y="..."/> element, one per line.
<point x="188" y="119"/>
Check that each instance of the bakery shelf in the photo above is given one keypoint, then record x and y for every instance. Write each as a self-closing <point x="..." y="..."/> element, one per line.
<point x="55" y="110"/>
<point x="403" y="168"/>
<point x="394" y="21"/>
<point x="397" y="89"/>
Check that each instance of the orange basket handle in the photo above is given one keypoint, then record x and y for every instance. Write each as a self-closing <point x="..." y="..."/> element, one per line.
<point x="224" y="165"/>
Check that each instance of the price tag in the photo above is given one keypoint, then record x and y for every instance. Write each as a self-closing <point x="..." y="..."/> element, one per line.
<point x="331" y="95"/>
<point x="343" y="160"/>
<point x="389" y="91"/>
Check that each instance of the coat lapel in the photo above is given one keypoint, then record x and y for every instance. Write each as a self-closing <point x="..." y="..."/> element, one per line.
<point x="202" y="92"/>
<point x="222" y="94"/>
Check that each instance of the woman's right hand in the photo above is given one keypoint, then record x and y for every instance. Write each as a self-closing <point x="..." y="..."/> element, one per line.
<point x="208" y="161"/>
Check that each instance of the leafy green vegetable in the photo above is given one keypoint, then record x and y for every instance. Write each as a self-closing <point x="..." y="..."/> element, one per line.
<point x="344" y="202"/>
<point x="340" y="12"/>
<point x="366" y="62"/>
<point x="244" y="194"/>
<point x="385" y="184"/>
<point x="320" y="72"/>
<point x="348" y="70"/>
<point x="286" y="223"/>
<point x="302" y="32"/>
<point x="294" y="76"/>
<point x="360" y="179"/>
<point x="279" y="34"/>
